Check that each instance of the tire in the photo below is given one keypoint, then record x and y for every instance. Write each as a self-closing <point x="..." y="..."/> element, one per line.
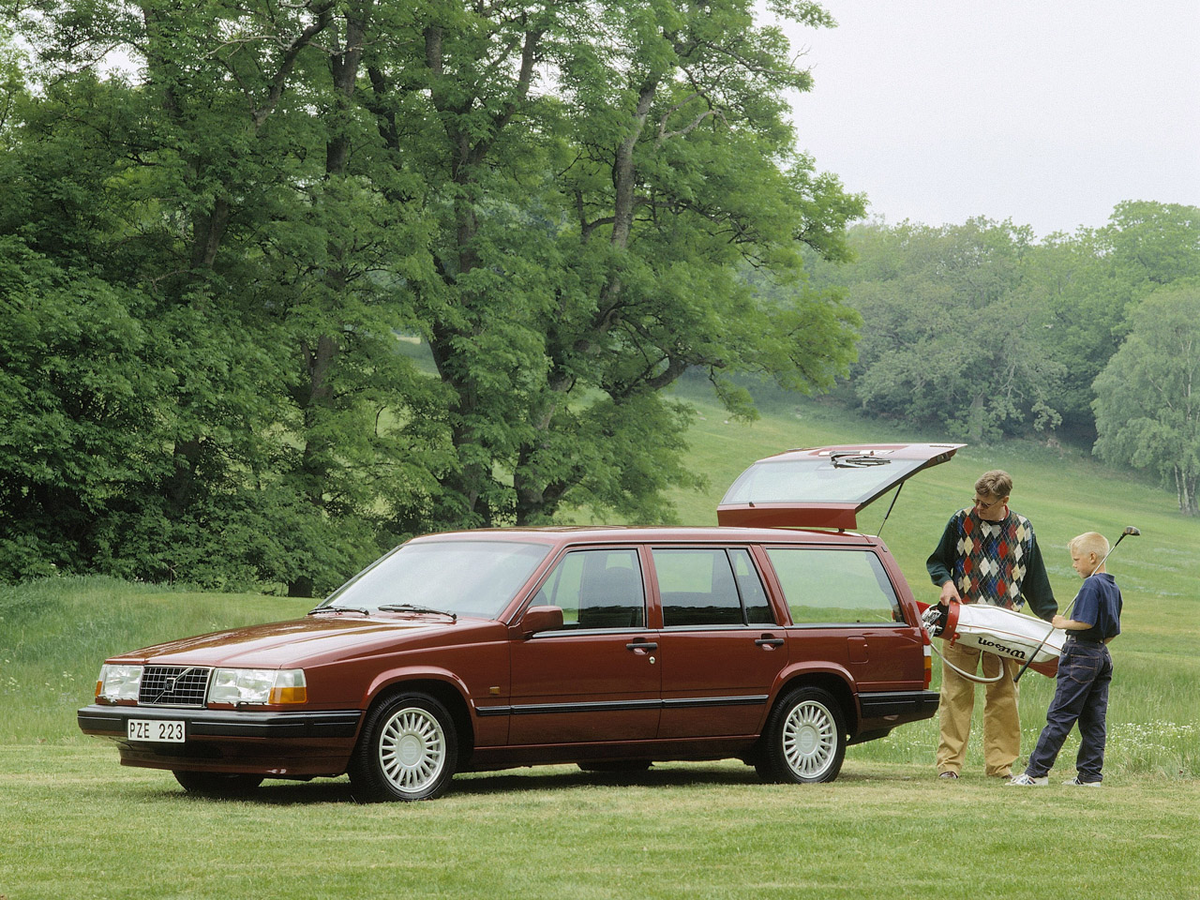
<point x="614" y="766"/>
<point x="217" y="784"/>
<point x="407" y="751"/>
<point x="805" y="739"/>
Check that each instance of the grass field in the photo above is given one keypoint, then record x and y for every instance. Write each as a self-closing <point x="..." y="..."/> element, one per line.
<point x="74" y="824"/>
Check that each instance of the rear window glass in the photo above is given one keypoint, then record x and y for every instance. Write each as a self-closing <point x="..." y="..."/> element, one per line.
<point x="834" y="586"/>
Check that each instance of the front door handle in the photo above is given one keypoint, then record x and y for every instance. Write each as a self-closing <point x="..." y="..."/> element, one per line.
<point x="641" y="645"/>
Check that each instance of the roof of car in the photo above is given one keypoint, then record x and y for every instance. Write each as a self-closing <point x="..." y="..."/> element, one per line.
<point x="592" y="534"/>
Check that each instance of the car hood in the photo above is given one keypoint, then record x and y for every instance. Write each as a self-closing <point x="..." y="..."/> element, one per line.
<point x="824" y="487"/>
<point x="310" y="639"/>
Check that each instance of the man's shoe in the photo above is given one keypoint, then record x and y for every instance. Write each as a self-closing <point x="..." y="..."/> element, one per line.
<point x="1077" y="783"/>
<point x="1024" y="780"/>
<point x="952" y="776"/>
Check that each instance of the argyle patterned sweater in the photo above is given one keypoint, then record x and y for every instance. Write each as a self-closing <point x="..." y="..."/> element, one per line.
<point x="993" y="562"/>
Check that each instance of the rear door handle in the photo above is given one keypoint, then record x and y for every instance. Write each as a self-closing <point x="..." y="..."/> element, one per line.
<point x="770" y="642"/>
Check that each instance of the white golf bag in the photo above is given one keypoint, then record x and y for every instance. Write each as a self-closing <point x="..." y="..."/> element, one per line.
<point x="1004" y="632"/>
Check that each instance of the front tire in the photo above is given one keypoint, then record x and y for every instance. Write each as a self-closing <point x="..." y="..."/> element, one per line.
<point x="805" y="739"/>
<point x="408" y="751"/>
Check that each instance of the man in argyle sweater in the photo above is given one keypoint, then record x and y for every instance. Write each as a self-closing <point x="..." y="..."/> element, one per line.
<point x="987" y="554"/>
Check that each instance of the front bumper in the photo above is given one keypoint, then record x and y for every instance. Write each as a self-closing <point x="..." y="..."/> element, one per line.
<point x="276" y="743"/>
<point x="110" y="721"/>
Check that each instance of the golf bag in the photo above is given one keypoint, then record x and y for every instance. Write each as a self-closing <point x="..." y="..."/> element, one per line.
<point x="1004" y="632"/>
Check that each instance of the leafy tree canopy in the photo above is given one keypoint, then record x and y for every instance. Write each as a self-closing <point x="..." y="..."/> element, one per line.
<point x="1147" y="397"/>
<point x="569" y="205"/>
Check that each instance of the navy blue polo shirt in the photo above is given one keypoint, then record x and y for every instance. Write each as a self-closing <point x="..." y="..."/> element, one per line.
<point x="1098" y="603"/>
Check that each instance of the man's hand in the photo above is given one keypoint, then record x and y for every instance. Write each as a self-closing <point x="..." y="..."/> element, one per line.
<point x="949" y="592"/>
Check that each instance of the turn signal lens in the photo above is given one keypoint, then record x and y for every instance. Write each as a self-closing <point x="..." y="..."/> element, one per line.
<point x="290" y="687"/>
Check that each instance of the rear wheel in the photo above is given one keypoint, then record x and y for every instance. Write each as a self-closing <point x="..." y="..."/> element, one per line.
<point x="407" y="751"/>
<point x="217" y="784"/>
<point x="805" y="739"/>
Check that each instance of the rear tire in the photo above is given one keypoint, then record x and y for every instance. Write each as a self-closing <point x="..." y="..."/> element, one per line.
<point x="217" y="784"/>
<point x="805" y="739"/>
<point x="407" y="751"/>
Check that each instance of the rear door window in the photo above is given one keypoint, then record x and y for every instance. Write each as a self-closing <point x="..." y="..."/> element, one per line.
<point x="836" y="587"/>
<point x="710" y="586"/>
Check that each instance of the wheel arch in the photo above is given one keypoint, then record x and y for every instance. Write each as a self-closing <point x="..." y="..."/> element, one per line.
<point x="836" y="684"/>
<point x="443" y="688"/>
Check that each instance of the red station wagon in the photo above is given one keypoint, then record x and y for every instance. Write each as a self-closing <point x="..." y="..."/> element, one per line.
<point x="606" y="647"/>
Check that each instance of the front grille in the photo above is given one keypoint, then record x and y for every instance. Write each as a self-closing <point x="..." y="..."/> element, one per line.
<point x="173" y="686"/>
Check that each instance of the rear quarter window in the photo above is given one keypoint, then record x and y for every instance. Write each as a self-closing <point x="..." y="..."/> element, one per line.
<point x="834" y="587"/>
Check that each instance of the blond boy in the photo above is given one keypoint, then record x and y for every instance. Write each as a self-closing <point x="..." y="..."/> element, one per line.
<point x="1084" y="670"/>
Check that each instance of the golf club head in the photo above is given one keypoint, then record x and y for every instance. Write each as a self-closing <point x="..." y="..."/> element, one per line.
<point x="1131" y="530"/>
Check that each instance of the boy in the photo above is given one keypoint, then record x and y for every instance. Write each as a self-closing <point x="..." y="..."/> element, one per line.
<point x="1084" y="670"/>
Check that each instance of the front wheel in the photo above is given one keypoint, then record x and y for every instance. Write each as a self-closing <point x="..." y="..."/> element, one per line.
<point x="805" y="739"/>
<point x="407" y="751"/>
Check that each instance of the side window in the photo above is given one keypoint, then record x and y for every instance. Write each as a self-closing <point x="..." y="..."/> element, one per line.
<point x="697" y="587"/>
<point x="834" y="586"/>
<point x="597" y="589"/>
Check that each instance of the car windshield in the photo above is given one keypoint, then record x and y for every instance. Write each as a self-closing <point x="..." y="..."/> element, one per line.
<point x="464" y="578"/>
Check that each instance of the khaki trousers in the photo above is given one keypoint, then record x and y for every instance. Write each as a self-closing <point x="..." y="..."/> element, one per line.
<point x="1001" y="720"/>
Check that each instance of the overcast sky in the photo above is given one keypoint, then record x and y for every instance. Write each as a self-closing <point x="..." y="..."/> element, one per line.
<point x="1049" y="113"/>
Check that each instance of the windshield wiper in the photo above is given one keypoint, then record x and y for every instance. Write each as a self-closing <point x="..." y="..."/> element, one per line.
<point x="856" y="460"/>
<point x="339" y="609"/>
<point x="409" y="607"/>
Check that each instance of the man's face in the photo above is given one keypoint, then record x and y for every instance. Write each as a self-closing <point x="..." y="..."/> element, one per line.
<point x="990" y="508"/>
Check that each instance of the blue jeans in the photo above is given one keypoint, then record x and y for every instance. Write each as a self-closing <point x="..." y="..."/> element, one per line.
<point x="1084" y="674"/>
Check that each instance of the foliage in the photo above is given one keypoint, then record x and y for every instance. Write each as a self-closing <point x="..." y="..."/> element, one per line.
<point x="1085" y="286"/>
<point x="948" y="326"/>
<point x="1147" y="397"/>
<point x="561" y="200"/>
<point x="986" y="333"/>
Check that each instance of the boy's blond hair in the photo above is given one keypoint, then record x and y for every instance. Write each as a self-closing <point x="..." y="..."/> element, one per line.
<point x="1089" y="542"/>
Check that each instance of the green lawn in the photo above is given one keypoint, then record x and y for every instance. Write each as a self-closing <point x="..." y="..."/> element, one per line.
<point x="74" y="824"/>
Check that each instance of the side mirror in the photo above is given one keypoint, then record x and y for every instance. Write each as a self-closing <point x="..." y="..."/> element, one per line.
<point x="541" y="618"/>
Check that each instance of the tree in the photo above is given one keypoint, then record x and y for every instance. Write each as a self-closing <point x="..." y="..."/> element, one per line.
<point x="1148" y="396"/>
<point x="1086" y="284"/>
<point x="948" y="332"/>
<point x="563" y="200"/>
<point x="588" y="240"/>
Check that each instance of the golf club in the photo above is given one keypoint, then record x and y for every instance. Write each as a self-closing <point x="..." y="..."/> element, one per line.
<point x="1129" y="530"/>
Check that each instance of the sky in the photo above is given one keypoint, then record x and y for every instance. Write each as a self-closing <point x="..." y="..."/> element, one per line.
<point x="1047" y="113"/>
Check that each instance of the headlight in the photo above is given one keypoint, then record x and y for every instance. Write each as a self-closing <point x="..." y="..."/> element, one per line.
<point x="118" y="683"/>
<point x="258" y="686"/>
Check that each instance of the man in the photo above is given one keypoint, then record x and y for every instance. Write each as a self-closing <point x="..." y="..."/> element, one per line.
<point x="987" y="554"/>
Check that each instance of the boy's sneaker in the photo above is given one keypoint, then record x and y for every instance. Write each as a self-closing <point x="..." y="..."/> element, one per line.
<point x="1075" y="782"/>
<point x="1024" y="780"/>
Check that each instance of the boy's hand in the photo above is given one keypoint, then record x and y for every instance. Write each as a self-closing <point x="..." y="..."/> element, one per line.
<point x="949" y="592"/>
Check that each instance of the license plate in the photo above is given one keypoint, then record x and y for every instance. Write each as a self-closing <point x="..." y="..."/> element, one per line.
<point x="155" y="731"/>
